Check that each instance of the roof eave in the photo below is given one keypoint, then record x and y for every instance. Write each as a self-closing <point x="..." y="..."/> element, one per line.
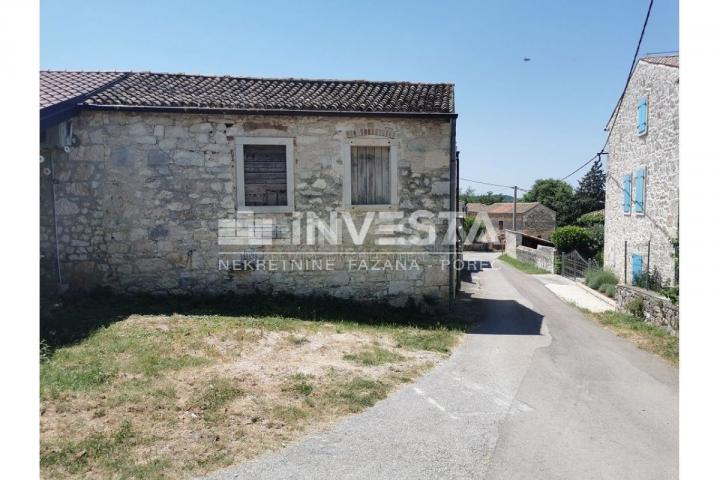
<point x="244" y="111"/>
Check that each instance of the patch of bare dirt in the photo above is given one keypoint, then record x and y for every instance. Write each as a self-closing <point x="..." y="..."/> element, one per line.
<point x="261" y="390"/>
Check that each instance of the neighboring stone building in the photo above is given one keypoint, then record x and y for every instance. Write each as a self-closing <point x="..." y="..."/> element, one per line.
<point x="532" y="218"/>
<point x="151" y="182"/>
<point x="642" y="194"/>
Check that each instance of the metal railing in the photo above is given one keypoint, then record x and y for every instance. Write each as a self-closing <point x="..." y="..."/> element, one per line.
<point x="573" y="265"/>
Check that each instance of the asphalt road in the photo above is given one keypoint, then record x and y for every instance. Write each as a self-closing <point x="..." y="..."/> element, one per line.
<point x="536" y="391"/>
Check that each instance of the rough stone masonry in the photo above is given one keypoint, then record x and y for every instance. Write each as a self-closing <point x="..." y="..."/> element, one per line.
<point x="658" y="152"/>
<point x="137" y="203"/>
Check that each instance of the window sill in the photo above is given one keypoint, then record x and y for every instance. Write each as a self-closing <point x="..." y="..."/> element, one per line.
<point x="266" y="209"/>
<point x="371" y="207"/>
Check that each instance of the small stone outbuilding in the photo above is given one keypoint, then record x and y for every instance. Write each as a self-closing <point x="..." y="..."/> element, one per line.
<point x="148" y="179"/>
<point x="532" y="218"/>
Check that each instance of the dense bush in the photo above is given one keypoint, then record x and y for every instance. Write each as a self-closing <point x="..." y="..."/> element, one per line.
<point x="608" y="289"/>
<point x="673" y="293"/>
<point x="592" y="218"/>
<point x="570" y="238"/>
<point x="636" y="307"/>
<point x="597" y="278"/>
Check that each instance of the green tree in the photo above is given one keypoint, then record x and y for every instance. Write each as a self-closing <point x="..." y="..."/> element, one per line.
<point x="488" y="198"/>
<point x="557" y="195"/>
<point x="590" y="193"/>
<point x="572" y="237"/>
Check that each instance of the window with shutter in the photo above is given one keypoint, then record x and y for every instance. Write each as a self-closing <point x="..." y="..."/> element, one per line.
<point x="265" y="174"/>
<point x="640" y="190"/>
<point x="370" y="175"/>
<point x="627" y="194"/>
<point x="642" y="115"/>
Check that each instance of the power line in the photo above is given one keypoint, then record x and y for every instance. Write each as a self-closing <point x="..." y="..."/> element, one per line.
<point x="493" y="184"/>
<point x="592" y="159"/>
<point x="616" y="111"/>
<point x="632" y="67"/>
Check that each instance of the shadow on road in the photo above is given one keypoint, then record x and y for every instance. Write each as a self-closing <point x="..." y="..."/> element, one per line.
<point x="493" y="316"/>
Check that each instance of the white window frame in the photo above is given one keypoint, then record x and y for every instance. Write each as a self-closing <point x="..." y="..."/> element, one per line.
<point x="289" y="143"/>
<point x="347" y="163"/>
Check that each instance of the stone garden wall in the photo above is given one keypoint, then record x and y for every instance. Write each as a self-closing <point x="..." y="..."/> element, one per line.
<point x="543" y="257"/>
<point x="139" y="202"/>
<point x="657" y="310"/>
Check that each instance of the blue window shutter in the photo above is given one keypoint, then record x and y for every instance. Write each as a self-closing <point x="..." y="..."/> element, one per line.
<point x="627" y="186"/>
<point x="642" y="117"/>
<point x="640" y="190"/>
<point x="637" y="267"/>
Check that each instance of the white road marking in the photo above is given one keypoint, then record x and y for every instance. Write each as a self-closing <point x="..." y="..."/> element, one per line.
<point x="434" y="403"/>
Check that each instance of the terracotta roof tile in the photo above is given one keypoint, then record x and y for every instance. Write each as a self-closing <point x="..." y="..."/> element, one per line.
<point x="167" y="90"/>
<point x="504" y="208"/>
<point x="57" y="87"/>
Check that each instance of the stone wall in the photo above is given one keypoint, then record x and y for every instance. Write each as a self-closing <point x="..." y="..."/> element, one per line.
<point x="658" y="152"/>
<point x="512" y="241"/>
<point x="49" y="281"/>
<point x="657" y="310"/>
<point x="539" y="222"/>
<point x="543" y="257"/>
<point x="139" y="201"/>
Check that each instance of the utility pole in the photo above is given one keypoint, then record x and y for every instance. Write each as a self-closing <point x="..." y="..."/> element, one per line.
<point x="514" y="208"/>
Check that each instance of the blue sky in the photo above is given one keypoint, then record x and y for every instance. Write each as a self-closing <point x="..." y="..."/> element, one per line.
<point x="518" y="121"/>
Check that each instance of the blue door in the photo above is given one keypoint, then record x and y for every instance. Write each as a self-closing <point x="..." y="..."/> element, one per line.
<point x="637" y="268"/>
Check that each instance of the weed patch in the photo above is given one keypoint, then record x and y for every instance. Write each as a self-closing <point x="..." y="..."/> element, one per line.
<point x="646" y="336"/>
<point x="522" y="266"/>
<point x="374" y="356"/>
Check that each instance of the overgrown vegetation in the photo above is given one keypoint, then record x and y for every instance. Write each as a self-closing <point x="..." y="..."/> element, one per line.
<point x="636" y="307"/>
<point x="572" y="237"/>
<point x="151" y="388"/>
<point x="654" y="282"/>
<point x="646" y="336"/>
<point x="603" y="281"/>
<point x="522" y="266"/>
<point x="374" y="356"/>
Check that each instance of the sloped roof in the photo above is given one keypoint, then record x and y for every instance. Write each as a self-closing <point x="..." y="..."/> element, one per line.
<point x="507" y="207"/>
<point x="667" y="60"/>
<point x="502" y="208"/>
<point x="477" y="207"/>
<point x="200" y="92"/>
<point x="58" y="87"/>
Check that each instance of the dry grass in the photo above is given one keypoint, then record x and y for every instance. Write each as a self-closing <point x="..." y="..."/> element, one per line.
<point x="646" y="336"/>
<point x="169" y="396"/>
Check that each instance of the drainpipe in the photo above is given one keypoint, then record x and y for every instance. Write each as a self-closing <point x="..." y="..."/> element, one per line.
<point x="453" y="209"/>
<point x="55" y="225"/>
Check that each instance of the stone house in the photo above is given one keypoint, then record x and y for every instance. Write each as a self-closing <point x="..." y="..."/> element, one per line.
<point x="532" y="218"/>
<point x="184" y="184"/>
<point x="642" y="191"/>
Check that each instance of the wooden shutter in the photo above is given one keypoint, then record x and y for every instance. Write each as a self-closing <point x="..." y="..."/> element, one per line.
<point x="627" y="189"/>
<point x="642" y="117"/>
<point x="265" y="173"/>
<point x="640" y="190"/>
<point x="370" y="175"/>
<point x="637" y="268"/>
